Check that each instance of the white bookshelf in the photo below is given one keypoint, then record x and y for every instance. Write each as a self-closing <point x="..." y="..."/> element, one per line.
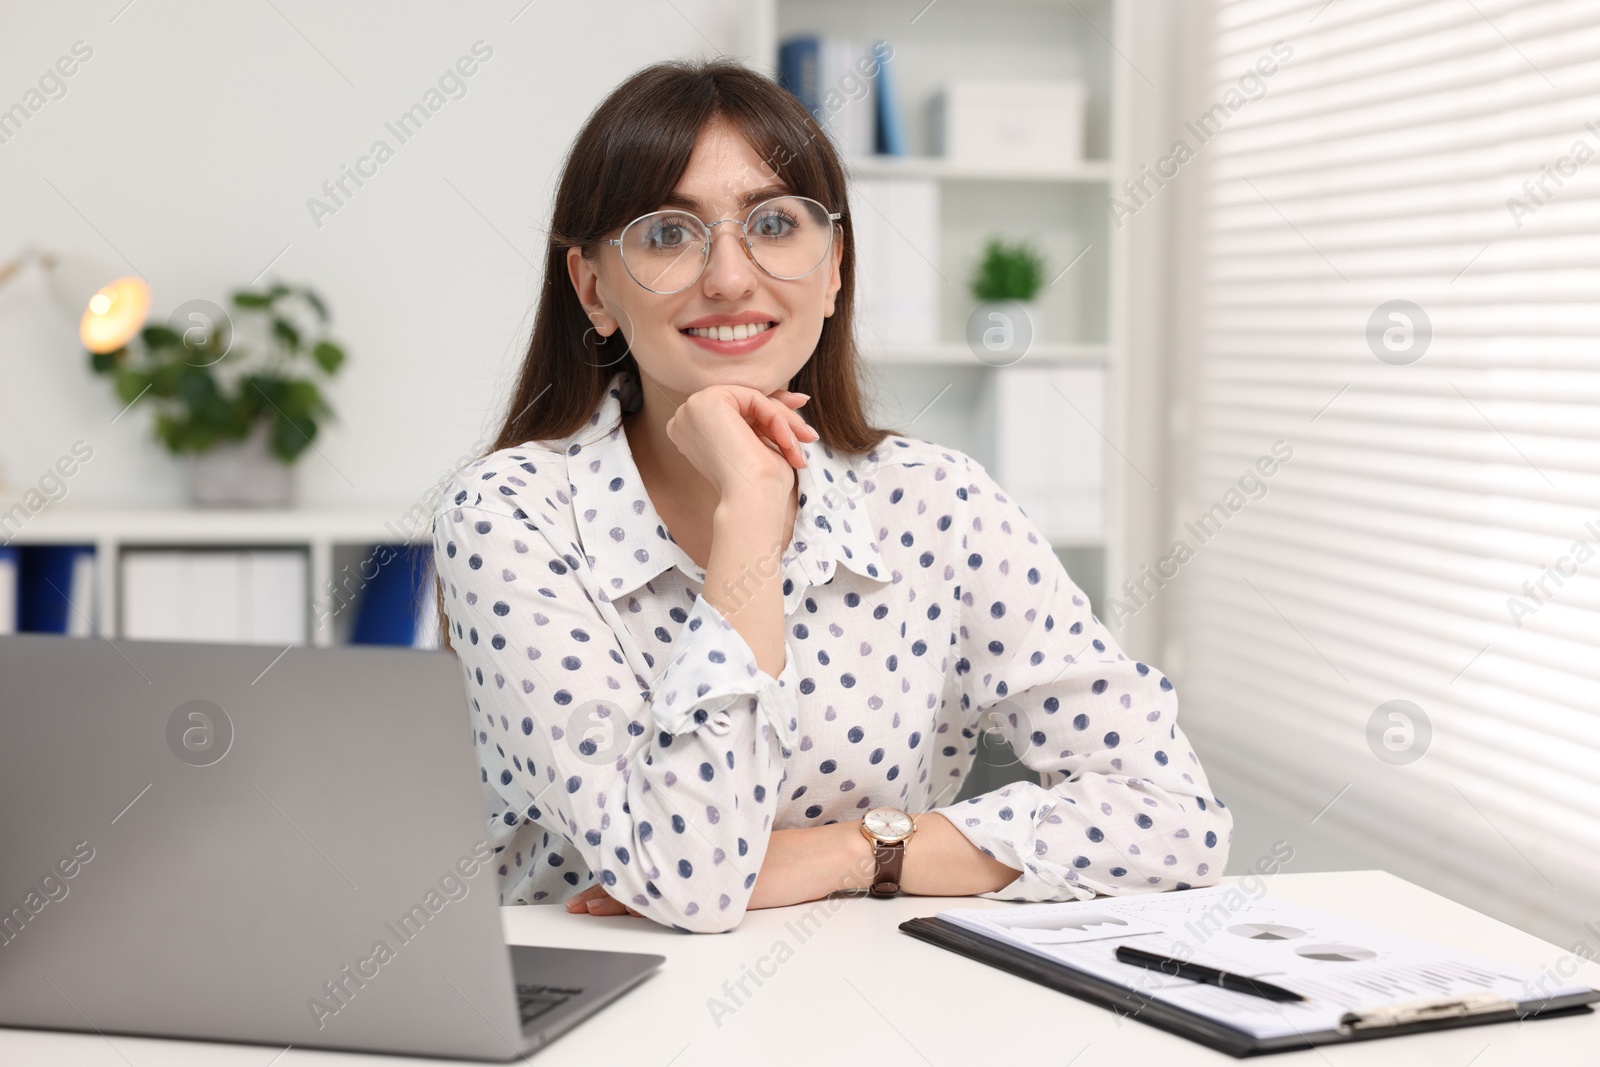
<point x="335" y="541"/>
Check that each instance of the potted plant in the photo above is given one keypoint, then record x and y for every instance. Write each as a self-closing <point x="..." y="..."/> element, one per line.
<point x="238" y="393"/>
<point x="1007" y="280"/>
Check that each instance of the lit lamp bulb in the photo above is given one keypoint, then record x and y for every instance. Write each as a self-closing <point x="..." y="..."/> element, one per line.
<point x="114" y="314"/>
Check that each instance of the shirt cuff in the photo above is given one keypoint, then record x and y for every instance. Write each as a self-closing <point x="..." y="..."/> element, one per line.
<point x="715" y="674"/>
<point x="1004" y="824"/>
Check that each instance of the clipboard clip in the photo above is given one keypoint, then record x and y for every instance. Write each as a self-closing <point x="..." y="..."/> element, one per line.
<point x="1423" y="1010"/>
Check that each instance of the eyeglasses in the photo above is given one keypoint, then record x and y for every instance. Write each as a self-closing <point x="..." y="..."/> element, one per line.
<point x="667" y="251"/>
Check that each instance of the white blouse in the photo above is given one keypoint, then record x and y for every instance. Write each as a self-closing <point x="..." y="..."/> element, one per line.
<point x="625" y="732"/>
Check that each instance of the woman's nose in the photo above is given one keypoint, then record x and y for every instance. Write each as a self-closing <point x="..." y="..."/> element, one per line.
<point x="730" y="271"/>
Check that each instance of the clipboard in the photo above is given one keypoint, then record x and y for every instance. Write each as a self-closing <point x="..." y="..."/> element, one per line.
<point x="1391" y="1021"/>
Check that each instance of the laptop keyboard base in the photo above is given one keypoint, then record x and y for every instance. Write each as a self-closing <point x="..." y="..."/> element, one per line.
<point x="536" y="1000"/>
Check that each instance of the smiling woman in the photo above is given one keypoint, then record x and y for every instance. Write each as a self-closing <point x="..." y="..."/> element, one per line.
<point x="671" y="723"/>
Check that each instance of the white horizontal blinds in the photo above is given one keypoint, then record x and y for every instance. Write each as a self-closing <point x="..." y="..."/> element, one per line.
<point x="1387" y="558"/>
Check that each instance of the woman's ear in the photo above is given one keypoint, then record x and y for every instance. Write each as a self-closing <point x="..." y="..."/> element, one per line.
<point x="586" y="283"/>
<point x="834" y="280"/>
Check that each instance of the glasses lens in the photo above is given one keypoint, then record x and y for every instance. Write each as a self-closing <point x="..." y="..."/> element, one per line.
<point x="664" y="251"/>
<point x="789" y="236"/>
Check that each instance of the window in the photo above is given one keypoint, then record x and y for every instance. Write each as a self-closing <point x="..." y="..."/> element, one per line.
<point x="1389" y="647"/>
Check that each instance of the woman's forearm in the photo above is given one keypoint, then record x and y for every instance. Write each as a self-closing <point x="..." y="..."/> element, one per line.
<point x="808" y="863"/>
<point x="743" y="571"/>
<point x="941" y="862"/>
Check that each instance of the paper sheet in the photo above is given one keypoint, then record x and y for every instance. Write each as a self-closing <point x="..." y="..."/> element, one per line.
<point x="1337" y="964"/>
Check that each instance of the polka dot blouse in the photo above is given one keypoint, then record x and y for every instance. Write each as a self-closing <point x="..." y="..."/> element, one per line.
<point x="626" y="734"/>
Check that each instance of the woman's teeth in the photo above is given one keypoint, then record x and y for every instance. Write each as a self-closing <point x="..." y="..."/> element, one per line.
<point x="729" y="333"/>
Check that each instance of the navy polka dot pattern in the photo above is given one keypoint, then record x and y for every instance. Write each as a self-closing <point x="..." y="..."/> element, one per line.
<point x="626" y="734"/>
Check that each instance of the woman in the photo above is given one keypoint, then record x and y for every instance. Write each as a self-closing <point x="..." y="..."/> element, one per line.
<point x="707" y="640"/>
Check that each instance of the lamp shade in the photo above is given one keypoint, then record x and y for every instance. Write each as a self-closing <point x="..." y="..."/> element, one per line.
<point x="111" y="309"/>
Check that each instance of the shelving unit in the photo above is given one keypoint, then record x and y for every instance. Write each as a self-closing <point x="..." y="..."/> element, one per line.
<point x="335" y="541"/>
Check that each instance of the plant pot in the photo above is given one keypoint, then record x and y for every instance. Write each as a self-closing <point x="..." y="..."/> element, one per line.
<point x="242" y="474"/>
<point x="1000" y="332"/>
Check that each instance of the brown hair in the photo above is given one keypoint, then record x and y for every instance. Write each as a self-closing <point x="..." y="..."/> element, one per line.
<point x="625" y="162"/>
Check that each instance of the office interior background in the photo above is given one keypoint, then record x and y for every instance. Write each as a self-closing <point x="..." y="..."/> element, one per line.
<point x="1307" y="398"/>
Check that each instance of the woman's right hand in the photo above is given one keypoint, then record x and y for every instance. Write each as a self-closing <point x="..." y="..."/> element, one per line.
<point x="740" y="439"/>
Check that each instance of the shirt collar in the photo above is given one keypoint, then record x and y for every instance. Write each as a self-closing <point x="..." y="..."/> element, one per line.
<point x="833" y="528"/>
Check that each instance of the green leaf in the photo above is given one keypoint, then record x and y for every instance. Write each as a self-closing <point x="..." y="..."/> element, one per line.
<point x="246" y="299"/>
<point x="300" y="397"/>
<point x="279" y="289"/>
<point x="104" y="362"/>
<point x="316" y="304"/>
<point x="265" y="391"/>
<point x="329" y="356"/>
<point x="172" y="432"/>
<point x="197" y="388"/>
<point x="130" y="384"/>
<point x="284" y="331"/>
<point x="158" y="336"/>
<point x="292" y="436"/>
<point x="164" y="379"/>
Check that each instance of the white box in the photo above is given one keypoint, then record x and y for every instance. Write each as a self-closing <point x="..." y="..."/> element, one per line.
<point x="898" y="286"/>
<point x="253" y="596"/>
<point x="1039" y="436"/>
<point x="1026" y="123"/>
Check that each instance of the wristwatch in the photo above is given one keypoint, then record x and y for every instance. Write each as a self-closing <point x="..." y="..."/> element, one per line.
<point x="888" y="829"/>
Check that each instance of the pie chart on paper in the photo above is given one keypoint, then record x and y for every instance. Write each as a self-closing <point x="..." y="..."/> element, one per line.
<point x="1335" y="953"/>
<point x="1266" y="932"/>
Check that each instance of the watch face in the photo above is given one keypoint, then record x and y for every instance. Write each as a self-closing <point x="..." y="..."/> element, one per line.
<point x="888" y="824"/>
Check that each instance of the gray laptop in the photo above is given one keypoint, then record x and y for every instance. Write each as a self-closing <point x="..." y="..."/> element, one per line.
<point x="219" y="842"/>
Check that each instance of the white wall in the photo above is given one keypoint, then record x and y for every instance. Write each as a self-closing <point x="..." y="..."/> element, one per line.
<point x="186" y="149"/>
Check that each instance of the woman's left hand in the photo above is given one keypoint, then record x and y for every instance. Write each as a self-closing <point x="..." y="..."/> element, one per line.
<point x="596" y="901"/>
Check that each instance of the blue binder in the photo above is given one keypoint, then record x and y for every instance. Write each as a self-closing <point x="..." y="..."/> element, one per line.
<point x="44" y="586"/>
<point x="386" y="613"/>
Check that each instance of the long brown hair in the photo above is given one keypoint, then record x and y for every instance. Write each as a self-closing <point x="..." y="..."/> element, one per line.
<point x="626" y="161"/>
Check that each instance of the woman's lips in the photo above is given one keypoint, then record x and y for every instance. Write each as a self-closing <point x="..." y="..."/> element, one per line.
<point x="732" y="348"/>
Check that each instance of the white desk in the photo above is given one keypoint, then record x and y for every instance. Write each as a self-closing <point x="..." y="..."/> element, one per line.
<point x="856" y="990"/>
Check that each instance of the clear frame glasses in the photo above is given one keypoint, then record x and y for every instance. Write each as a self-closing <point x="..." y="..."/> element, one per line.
<point x="788" y="237"/>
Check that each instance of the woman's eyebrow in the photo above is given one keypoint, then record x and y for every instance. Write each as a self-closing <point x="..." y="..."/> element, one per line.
<point x="753" y="197"/>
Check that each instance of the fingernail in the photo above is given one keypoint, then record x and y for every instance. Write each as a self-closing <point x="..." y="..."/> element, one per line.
<point x="803" y="396"/>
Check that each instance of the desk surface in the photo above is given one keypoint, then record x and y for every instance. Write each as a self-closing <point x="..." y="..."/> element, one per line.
<point x="851" y="987"/>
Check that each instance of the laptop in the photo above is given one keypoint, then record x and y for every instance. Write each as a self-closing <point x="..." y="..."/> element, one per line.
<point x="254" y="844"/>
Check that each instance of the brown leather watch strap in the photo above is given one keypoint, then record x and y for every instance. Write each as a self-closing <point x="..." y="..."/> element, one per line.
<point x="890" y="858"/>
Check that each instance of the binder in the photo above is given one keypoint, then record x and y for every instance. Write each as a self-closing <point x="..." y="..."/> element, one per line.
<point x="253" y="596"/>
<point x="391" y="606"/>
<point x="10" y="564"/>
<point x="891" y="134"/>
<point x="56" y="589"/>
<point x="1392" y="1020"/>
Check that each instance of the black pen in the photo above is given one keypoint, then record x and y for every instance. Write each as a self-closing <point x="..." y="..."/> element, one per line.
<point x="1211" y="976"/>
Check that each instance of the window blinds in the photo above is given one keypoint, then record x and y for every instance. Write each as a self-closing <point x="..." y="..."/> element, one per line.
<point x="1391" y="644"/>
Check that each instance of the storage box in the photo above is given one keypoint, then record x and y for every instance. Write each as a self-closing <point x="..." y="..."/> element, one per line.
<point x="897" y="237"/>
<point x="1026" y="123"/>
<point x="1036" y="431"/>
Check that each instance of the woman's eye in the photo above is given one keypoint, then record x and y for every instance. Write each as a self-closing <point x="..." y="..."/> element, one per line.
<point x="771" y="226"/>
<point x="670" y="233"/>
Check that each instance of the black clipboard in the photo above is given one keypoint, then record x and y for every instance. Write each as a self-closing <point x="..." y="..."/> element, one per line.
<point x="1192" y="1025"/>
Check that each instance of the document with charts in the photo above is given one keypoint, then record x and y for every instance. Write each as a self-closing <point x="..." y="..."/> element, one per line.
<point x="1339" y="965"/>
